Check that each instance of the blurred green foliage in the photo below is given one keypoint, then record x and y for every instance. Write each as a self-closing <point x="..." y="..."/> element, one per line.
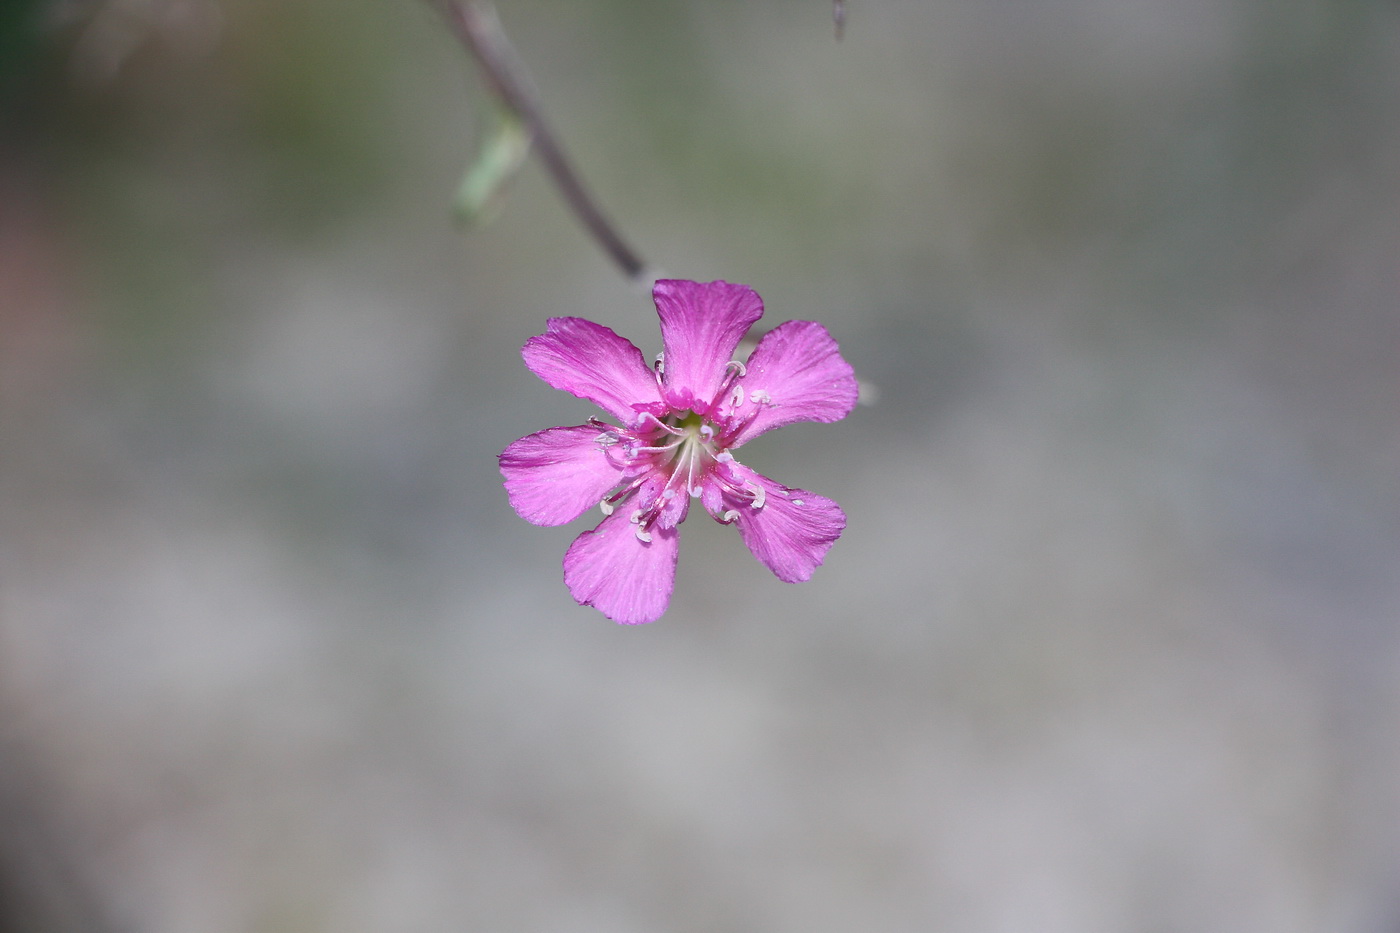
<point x="499" y="158"/>
<point x="19" y="34"/>
<point x="318" y="79"/>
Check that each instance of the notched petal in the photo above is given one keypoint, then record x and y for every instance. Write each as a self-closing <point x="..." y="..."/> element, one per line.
<point x="796" y="373"/>
<point x="788" y="530"/>
<point x="625" y="578"/>
<point x="701" y="326"/>
<point x="594" y="362"/>
<point x="555" y="475"/>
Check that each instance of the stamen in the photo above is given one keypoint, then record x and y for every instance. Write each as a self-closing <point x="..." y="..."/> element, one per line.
<point x="625" y="491"/>
<point x="728" y="387"/>
<point x="663" y="425"/>
<point x="657" y="450"/>
<point x="733" y="429"/>
<point x="760" y="397"/>
<point x="724" y="456"/>
<point x="728" y="517"/>
<point x="691" y="463"/>
<point x="798" y="502"/>
<point x="643" y="535"/>
<point x="760" y="495"/>
<point x="606" y="506"/>
<point x="679" y="439"/>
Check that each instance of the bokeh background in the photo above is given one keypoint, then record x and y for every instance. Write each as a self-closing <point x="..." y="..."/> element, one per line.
<point x="1110" y="644"/>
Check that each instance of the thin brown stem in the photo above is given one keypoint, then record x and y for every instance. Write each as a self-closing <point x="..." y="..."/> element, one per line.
<point x="475" y="25"/>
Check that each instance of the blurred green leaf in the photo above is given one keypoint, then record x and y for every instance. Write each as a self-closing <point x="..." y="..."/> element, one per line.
<point x="19" y="36"/>
<point x="500" y="157"/>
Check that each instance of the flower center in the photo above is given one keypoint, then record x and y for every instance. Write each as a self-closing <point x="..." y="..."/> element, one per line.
<point x="687" y="455"/>
<point x="664" y="457"/>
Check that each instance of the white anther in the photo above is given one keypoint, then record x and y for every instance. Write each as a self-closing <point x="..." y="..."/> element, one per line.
<point x="643" y="535"/>
<point x="661" y="362"/>
<point x="760" y="495"/>
<point x="605" y="440"/>
<point x="798" y="502"/>
<point x="760" y="397"/>
<point x="736" y="397"/>
<point x="606" y="506"/>
<point x="636" y="517"/>
<point x="738" y="366"/>
<point x="696" y="492"/>
<point x="724" y="456"/>
<point x="728" y="517"/>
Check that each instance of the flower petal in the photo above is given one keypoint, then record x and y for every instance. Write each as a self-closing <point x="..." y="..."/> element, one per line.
<point x="555" y="475"/>
<point x="593" y="362"/>
<point x="701" y="326"/>
<point x="796" y="373"/>
<point x="626" y="579"/>
<point x="790" y="531"/>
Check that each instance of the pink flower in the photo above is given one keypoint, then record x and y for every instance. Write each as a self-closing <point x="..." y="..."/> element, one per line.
<point x="679" y="423"/>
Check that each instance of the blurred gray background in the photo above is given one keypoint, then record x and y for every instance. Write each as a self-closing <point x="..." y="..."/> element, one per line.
<point x="1110" y="644"/>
